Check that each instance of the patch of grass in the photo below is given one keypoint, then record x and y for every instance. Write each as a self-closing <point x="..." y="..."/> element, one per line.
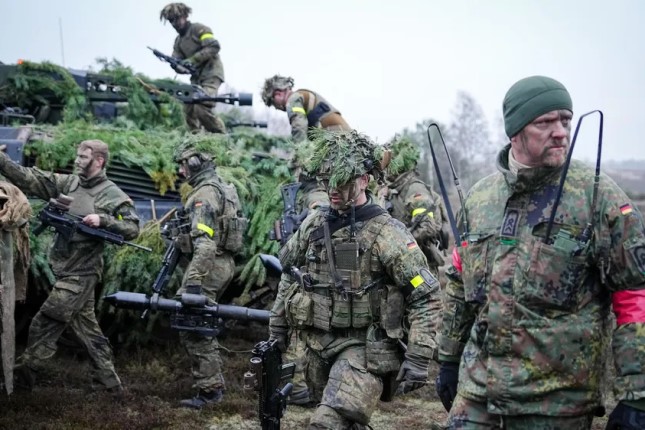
<point x="156" y="378"/>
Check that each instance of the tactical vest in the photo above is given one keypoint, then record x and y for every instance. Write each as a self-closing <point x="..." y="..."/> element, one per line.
<point x="321" y="111"/>
<point x="231" y="223"/>
<point x="358" y="298"/>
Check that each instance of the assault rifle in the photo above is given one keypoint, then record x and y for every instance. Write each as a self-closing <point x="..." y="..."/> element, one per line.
<point x="174" y="62"/>
<point x="290" y="220"/>
<point x="266" y="375"/>
<point x="191" y="313"/>
<point x="56" y="215"/>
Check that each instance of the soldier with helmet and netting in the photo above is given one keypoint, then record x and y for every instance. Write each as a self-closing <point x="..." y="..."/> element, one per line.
<point x="361" y="273"/>
<point x="196" y="45"/>
<point x="216" y="235"/>
<point x="306" y="110"/>
<point x="414" y="203"/>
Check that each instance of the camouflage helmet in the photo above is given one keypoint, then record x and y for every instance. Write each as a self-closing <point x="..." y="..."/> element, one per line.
<point x="340" y="157"/>
<point x="187" y="149"/>
<point x="273" y="83"/>
<point x="173" y="11"/>
<point x="405" y="155"/>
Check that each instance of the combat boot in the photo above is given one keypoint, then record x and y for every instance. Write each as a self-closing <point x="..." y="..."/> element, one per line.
<point x="203" y="398"/>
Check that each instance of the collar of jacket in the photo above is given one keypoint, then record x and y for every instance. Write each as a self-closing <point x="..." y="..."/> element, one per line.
<point x="184" y="30"/>
<point x="201" y="177"/>
<point x="333" y="214"/>
<point x="526" y="180"/>
<point x="93" y="181"/>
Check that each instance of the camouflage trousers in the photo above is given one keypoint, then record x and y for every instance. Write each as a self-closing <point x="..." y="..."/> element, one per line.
<point x="202" y="114"/>
<point x="296" y="354"/>
<point x="468" y="414"/>
<point x="346" y="392"/>
<point x="206" y="361"/>
<point x="70" y="304"/>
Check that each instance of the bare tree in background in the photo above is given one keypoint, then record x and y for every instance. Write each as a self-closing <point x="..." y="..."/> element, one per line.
<point x="468" y="140"/>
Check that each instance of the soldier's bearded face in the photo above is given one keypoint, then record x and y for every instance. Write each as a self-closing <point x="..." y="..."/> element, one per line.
<point x="179" y="23"/>
<point x="544" y="142"/>
<point x="86" y="165"/>
<point x="280" y="99"/>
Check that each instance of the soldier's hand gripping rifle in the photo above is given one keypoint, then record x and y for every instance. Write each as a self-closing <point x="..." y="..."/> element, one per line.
<point x="56" y="215"/>
<point x="267" y="375"/>
<point x="175" y="63"/>
<point x="290" y="220"/>
<point x="191" y="313"/>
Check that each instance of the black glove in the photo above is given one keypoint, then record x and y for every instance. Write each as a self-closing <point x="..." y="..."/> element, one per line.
<point x="413" y="373"/>
<point x="446" y="383"/>
<point x="625" y="417"/>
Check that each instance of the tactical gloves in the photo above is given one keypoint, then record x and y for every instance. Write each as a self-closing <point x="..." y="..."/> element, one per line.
<point x="625" y="417"/>
<point x="413" y="373"/>
<point x="446" y="383"/>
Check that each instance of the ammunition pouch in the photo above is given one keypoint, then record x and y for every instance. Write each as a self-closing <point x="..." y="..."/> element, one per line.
<point x="298" y="307"/>
<point x="383" y="354"/>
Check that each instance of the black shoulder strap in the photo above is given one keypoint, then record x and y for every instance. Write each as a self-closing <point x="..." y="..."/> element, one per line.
<point x="367" y="212"/>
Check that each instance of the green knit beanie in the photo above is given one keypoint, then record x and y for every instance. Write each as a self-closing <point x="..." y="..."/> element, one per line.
<point x="531" y="97"/>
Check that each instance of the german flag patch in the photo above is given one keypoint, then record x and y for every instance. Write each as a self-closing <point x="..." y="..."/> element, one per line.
<point x="412" y="245"/>
<point x="626" y="209"/>
<point x="198" y="204"/>
<point x="417" y="196"/>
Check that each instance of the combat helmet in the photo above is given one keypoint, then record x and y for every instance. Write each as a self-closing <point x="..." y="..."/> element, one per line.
<point x="405" y="155"/>
<point x="340" y="157"/>
<point x="273" y="83"/>
<point x="173" y="11"/>
<point x="189" y="147"/>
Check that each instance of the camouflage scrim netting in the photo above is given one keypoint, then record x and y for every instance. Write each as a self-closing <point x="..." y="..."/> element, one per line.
<point x="273" y="83"/>
<point x="173" y="11"/>
<point x="405" y="155"/>
<point x="340" y="157"/>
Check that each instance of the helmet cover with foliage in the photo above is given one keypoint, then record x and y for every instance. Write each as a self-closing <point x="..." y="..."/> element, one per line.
<point x="405" y="155"/>
<point x="340" y="157"/>
<point x="273" y="83"/>
<point x="173" y="11"/>
<point x="189" y="147"/>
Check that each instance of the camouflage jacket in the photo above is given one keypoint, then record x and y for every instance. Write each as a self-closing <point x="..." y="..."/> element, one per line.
<point x="530" y="321"/>
<point x="204" y="206"/>
<point x="412" y="202"/>
<point x="309" y="109"/>
<point x="81" y="255"/>
<point x="389" y="260"/>
<point x="199" y="45"/>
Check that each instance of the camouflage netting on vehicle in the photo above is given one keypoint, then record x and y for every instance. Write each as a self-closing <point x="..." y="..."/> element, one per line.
<point x="39" y="84"/>
<point x="145" y="137"/>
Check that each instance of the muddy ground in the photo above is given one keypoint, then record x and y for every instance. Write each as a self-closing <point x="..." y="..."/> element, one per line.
<point x="157" y="378"/>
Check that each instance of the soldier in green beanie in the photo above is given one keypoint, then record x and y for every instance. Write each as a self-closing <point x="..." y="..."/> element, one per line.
<point x="526" y="320"/>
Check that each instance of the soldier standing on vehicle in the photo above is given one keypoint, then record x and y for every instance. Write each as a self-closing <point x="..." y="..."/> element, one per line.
<point x="306" y="110"/>
<point x="216" y="235"/>
<point x="362" y="272"/>
<point x="414" y="203"/>
<point x="526" y="317"/>
<point x="196" y="46"/>
<point x="77" y="262"/>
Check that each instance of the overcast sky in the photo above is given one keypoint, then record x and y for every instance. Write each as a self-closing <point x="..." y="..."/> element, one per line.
<point x="385" y="65"/>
